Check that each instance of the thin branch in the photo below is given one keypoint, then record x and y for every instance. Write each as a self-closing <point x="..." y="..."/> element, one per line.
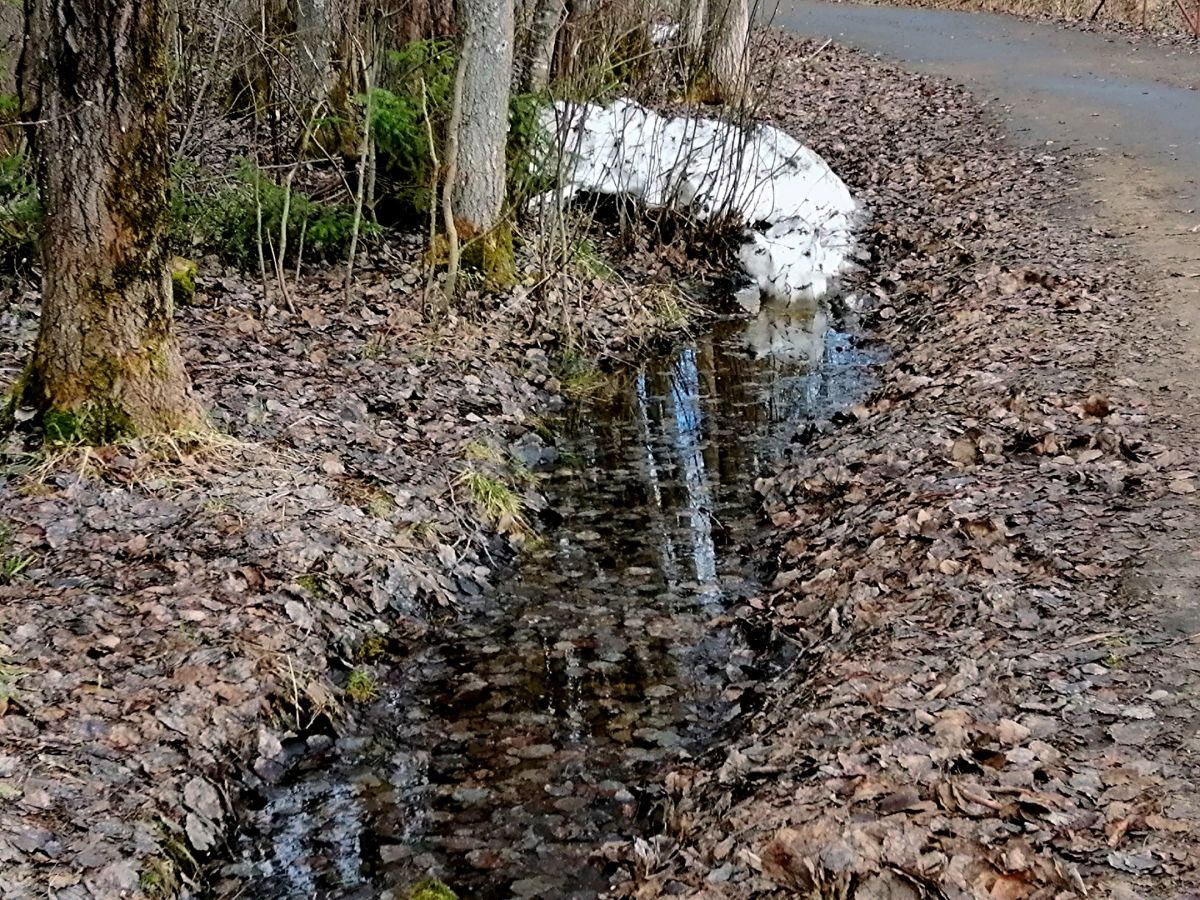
<point x="363" y="150"/>
<point x="452" y="129"/>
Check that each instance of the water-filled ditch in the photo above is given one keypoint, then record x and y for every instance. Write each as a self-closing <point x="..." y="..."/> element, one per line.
<point x="506" y="753"/>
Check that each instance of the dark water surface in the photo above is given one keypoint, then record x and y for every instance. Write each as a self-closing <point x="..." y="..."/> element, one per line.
<point x="504" y="756"/>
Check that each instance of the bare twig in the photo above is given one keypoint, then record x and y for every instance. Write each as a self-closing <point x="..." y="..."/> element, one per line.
<point x="361" y="187"/>
<point x="452" y="249"/>
<point x="434" y="179"/>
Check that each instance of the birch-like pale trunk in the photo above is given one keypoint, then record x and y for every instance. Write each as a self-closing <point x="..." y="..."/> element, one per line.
<point x="485" y="73"/>
<point x="547" y="19"/>
<point x="486" y="58"/>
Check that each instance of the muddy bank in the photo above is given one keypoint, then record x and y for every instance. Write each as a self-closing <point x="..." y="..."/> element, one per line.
<point x="991" y="704"/>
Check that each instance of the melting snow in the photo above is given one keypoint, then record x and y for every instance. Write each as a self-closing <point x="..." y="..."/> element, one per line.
<point x="800" y="215"/>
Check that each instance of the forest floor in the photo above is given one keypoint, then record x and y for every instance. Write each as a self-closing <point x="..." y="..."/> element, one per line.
<point x="173" y="611"/>
<point x="996" y="695"/>
<point x="991" y="567"/>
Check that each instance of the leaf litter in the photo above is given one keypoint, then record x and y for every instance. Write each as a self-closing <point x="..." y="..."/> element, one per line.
<point x="187" y="607"/>
<point x="990" y="702"/>
<point x="986" y="703"/>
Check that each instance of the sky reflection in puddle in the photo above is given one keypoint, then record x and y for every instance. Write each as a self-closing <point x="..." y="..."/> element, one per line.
<point x="511" y="749"/>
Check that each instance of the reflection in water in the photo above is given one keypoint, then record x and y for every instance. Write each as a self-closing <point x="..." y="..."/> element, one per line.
<point x="511" y="749"/>
<point x="790" y="336"/>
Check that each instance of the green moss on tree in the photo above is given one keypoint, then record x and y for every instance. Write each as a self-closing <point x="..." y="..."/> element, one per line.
<point x="94" y="424"/>
<point x="491" y="255"/>
<point x="183" y="280"/>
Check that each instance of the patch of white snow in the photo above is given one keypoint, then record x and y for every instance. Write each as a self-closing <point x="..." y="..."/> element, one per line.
<point x="663" y="33"/>
<point x="800" y="215"/>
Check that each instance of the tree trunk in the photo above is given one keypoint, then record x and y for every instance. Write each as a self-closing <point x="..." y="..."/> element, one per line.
<point x="10" y="46"/>
<point x="416" y="20"/>
<point x="545" y="22"/>
<point x="313" y="19"/>
<point x="694" y="22"/>
<point x="94" y="92"/>
<point x="486" y="58"/>
<point x="728" y="60"/>
<point x="350" y="29"/>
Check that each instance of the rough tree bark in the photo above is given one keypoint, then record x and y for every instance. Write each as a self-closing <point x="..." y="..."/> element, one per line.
<point x="728" y="60"/>
<point x="352" y="35"/>
<point x="415" y="20"/>
<point x="694" y="22"/>
<point x="545" y="22"/>
<point x="486" y="58"/>
<point x="94" y="96"/>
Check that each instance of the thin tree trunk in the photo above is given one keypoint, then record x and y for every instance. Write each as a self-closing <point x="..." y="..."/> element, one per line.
<point x="728" y="49"/>
<point x="486" y="58"/>
<point x="360" y="186"/>
<point x="548" y="16"/>
<point x="93" y="79"/>
<point x="695" y="20"/>
<point x="453" y="129"/>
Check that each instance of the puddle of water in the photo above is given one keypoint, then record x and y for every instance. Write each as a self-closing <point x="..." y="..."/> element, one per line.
<point x="506" y="754"/>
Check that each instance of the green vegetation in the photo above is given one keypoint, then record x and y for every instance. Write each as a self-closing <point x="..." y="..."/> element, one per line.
<point x="497" y="504"/>
<point x="209" y="214"/>
<point x="581" y="379"/>
<point x="223" y="217"/>
<point x="373" y="646"/>
<point x="589" y="259"/>
<point x="183" y="280"/>
<point x="361" y="687"/>
<point x="667" y="307"/>
<point x="158" y="880"/>
<point x="9" y="676"/>
<point x="496" y="459"/>
<point x="14" y="565"/>
<point x="491" y="256"/>
<point x="431" y="889"/>
<point x="371" y="498"/>
<point x="414" y="105"/>
<point x="20" y="210"/>
<point x="312" y="584"/>
<point x="478" y="451"/>
<point x="162" y="873"/>
<point x="94" y="424"/>
<point x="424" y="531"/>
<point x="528" y="170"/>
